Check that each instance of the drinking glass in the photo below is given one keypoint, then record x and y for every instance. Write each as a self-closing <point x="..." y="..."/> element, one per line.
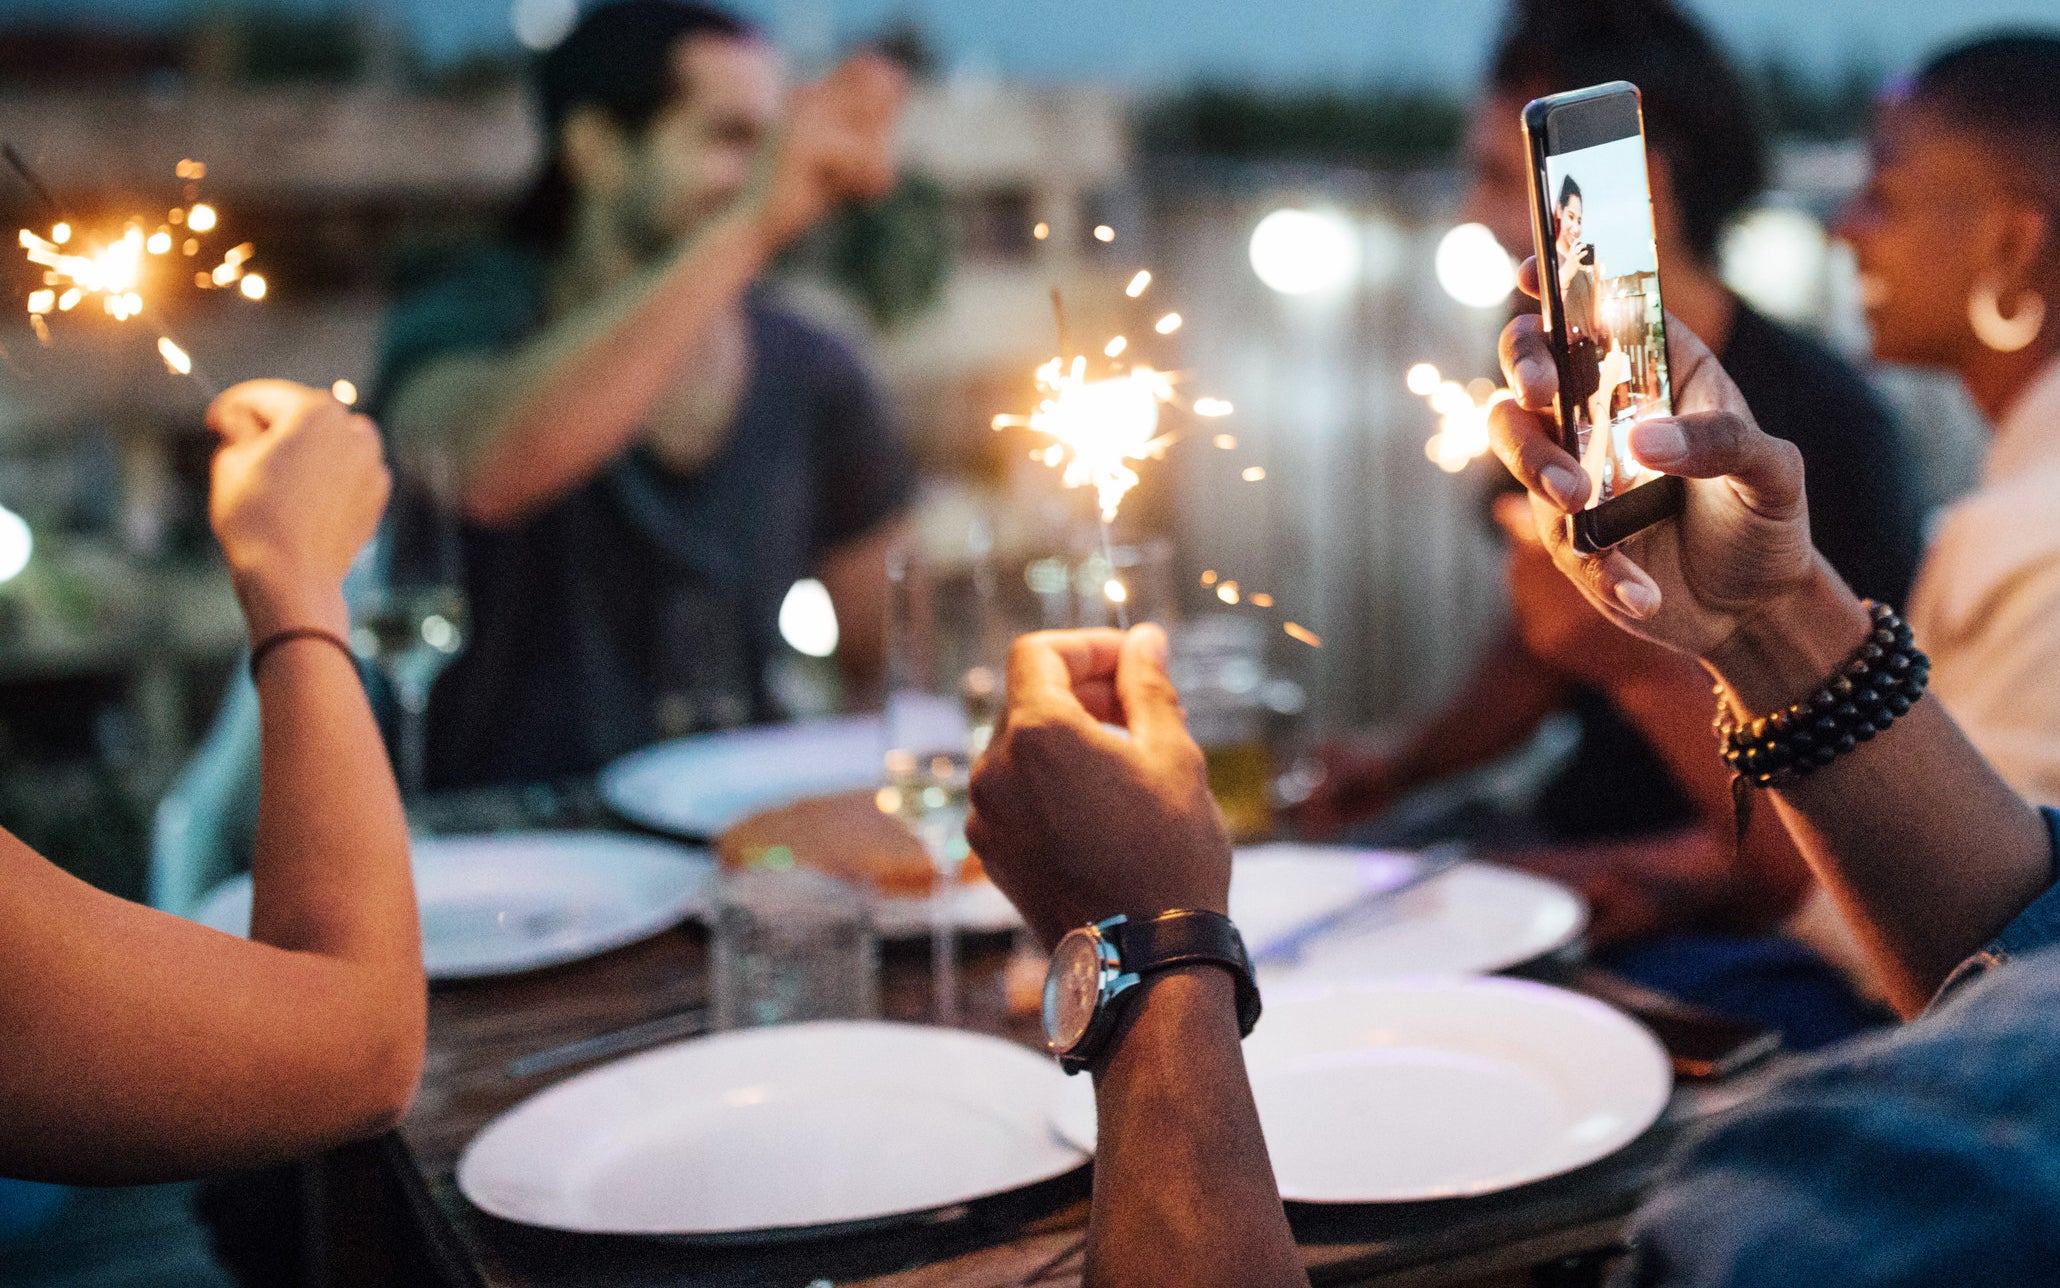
<point x="945" y="653"/>
<point x="412" y="625"/>
<point x="791" y="944"/>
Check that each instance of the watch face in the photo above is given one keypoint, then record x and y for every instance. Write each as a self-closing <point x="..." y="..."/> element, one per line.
<point x="1071" y="988"/>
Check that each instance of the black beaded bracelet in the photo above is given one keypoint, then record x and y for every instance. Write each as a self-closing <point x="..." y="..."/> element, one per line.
<point x="1874" y="688"/>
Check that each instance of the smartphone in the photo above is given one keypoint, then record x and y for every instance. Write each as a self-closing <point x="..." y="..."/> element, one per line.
<point x="1598" y="267"/>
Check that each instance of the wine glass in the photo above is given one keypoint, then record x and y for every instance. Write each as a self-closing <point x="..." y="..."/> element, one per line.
<point x="413" y="622"/>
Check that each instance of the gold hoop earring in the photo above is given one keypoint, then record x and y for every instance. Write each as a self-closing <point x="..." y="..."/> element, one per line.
<point x="2005" y="335"/>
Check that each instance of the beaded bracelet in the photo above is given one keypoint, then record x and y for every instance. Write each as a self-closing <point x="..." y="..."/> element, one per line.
<point x="1874" y="688"/>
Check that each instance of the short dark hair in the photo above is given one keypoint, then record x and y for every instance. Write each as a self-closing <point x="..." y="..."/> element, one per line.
<point x="1568" y="190"/>
<point x="2005" y="87"/>
<point x="619" y="59"/>
<point x="1698" y="113"/>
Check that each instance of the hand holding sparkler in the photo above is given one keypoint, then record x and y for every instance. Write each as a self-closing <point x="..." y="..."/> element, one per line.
<point x="299" y="484"/>
<point x="837" y="145"/>
<point x="1076" y="823"/>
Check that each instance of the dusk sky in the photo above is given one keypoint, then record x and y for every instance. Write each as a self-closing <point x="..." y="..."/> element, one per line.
<point x="1152" y="42"/>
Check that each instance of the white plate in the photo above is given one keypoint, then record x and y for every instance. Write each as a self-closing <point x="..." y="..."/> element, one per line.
<point x="1472" y="920"/>
<point x="517" y="901"/>
<point x="704" y="785"/>
<point x="977" y="906"/>
<point x="800" y="1129"/>
<point x="1408" y="1090"/>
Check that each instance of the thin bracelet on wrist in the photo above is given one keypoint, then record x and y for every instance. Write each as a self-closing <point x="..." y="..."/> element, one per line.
<point x="272" y="643"/>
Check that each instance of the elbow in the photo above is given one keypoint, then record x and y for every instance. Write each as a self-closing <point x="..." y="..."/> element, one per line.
<point x="384" y="1085"/>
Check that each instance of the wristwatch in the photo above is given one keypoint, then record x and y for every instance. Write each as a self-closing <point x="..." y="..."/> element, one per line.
<point x="1096" y="966"/>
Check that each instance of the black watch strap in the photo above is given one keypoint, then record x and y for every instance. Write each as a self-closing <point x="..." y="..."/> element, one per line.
<point x="1186" y="938"/>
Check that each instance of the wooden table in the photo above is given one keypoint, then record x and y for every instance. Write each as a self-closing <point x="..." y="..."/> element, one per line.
<point x="395" y="1214"/>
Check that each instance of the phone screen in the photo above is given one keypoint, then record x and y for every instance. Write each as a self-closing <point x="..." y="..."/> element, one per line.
<point x="1599" y="265"/>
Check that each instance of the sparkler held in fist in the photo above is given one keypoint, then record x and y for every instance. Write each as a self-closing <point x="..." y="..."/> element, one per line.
<point x="299" y="484"/>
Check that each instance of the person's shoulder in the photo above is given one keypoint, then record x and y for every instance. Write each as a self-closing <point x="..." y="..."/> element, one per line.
<point x="809" y="337"/>
<point x="479" y="297"/>
<point x="2003" y="530"/>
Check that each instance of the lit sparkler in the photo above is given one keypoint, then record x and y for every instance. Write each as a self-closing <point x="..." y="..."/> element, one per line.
<point x="117" y="269"/>
<point x="1462" y="415"/>
<point x="1101" y="427"/>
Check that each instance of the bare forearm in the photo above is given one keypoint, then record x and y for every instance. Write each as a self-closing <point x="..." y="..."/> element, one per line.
<point x="555" y="412"/>
<point x="330" y="868"/>
<point x="1927" y="851"/>
<point x="1183" y="1190"/>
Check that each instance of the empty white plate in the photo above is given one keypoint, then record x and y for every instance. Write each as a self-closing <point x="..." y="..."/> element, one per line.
<point x="1408" y="1090"/>
<point x="517" y="901"/>
<point x="703" y="785"/>
<point x="800" y="1129"/>
<point x="1472" y="920"/>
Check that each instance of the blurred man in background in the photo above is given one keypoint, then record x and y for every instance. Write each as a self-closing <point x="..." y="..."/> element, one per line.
<point x="1642" y="819"/>
<point x="646" y="453"/>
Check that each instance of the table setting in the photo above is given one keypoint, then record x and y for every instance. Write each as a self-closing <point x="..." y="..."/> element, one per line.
<point x="722" y="1060"/>
<point x="744" y="1008"/>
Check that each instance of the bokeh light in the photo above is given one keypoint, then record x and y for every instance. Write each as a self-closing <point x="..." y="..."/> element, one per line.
<point x="1474" y="268"/>
<point x="808" y="620"/>
<point x="1304" y="252"/>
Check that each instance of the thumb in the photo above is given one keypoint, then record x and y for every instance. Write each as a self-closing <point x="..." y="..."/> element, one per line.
<point x="1151" y="706"/>
<point x="1766" y="472"/>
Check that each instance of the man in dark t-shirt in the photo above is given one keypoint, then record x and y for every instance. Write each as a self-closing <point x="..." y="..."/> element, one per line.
<point x="644" y="451"/>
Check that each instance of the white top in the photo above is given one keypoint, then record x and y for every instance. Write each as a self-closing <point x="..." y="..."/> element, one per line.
<point x="1986" y="605"/>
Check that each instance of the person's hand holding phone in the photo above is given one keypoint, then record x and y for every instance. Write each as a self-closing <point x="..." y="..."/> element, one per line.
<point x="1742" y="541"/>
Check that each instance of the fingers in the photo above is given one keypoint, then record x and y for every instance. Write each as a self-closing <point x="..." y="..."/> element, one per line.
<point x="1528" y="445"/>
<point x="1062" y="672"/>
<point x="255" y="406"/>
<point x="1527" y="277"/>
<point x="1151" y="706"/>
<point x="1765" y="472"/>
<point x="1512" y="511"/>
<point x="1526" y="356"/>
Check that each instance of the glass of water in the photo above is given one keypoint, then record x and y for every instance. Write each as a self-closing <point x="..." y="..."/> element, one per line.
<point x="945" y="654"/>
<point x="791" y="944"/>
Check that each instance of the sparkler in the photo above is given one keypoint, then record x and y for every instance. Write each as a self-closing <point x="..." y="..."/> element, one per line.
<point x="1101" y="427"/>
<point x="1462" y="415"/>
<point x="115" y="270"/>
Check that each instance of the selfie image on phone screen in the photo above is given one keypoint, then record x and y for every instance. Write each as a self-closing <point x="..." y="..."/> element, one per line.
<point x="1616" y="336"/>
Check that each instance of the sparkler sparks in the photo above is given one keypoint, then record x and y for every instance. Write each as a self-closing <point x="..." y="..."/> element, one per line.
<point x="176" y="359"/>
<point x="1100" y="428"/>
<point x="117" y="268"/>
